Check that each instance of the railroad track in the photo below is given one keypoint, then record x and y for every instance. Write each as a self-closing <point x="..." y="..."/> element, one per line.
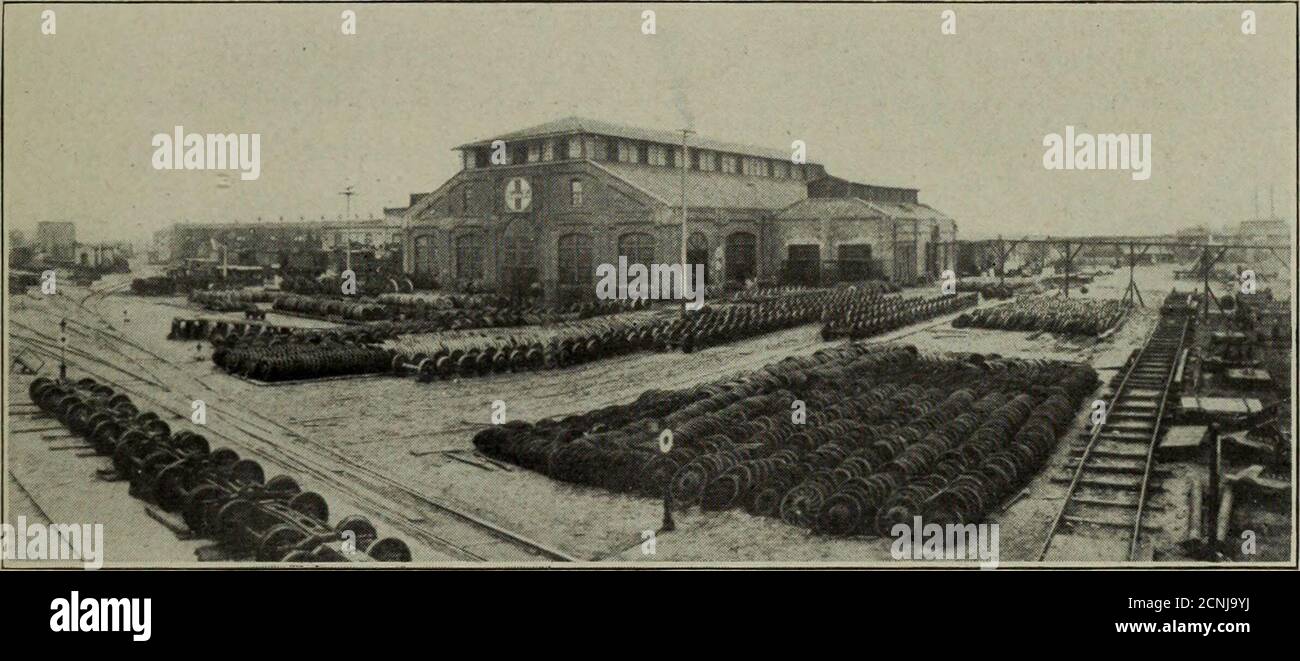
<point x="449" y="528"/>
<point x="1110" y="472"/>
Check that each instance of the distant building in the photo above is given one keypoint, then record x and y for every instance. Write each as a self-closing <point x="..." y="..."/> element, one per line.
<point x="103" y="256"/>
<point x="576" y="192"/>
<point x="1273" y="232"/>
<point x="57" y="240"/>
<point x="284" y="243"/>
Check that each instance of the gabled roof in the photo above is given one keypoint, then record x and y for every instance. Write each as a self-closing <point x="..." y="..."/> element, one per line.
<point x="816" y="208"/>
<point x="909" y="211"/>
<point x="708" y="189"/>
<point x="833" y="208"/>
<point x="576" y="125"/>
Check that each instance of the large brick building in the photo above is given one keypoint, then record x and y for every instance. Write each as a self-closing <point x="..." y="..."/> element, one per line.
<point x="565" y="196"/>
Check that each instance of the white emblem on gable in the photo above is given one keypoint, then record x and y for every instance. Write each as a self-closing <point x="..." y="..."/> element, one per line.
<point x="519" y="195"/>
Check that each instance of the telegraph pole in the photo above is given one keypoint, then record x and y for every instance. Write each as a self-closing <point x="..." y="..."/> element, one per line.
<point x="685" y="165"/>
<point x="63" y="347"/>
<point x="347" y="193"/>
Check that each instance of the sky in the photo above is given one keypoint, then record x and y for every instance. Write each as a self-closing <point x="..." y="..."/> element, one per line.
<point x="877" y="93"/>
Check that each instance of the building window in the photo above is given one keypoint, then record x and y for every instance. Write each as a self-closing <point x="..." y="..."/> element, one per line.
<point x="575" y="192"/>
<point x="756" y="167"/>
<point x="708" y="161"/>
<point x="575" y="147"/>
<point x="518" y="252"/>
<point x="729" y="164"/>
<point x="642" y="153"/>
<point x="469" y="159"/>
<point x="534" y="152"/>
<point x="626" y="151"/>
<point x="593" y="147"/>
<point x="469" y="257"/>
<point x="658" y="155"/>
<point x="637" y="247"/>
<point x="423" y="257"/>
<point x="573" y="260"/>
<point x="548" y="150"/>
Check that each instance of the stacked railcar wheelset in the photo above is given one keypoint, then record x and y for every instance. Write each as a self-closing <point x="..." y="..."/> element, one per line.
<point x="331" y="307"/>
<point x="276" y="361"/>
<point x="1047" y="313"/>
<point x="861" y="319"/>
<point x="275" y="353"/>
<point x="219" y="495"/>
<point x="888" y="433"/>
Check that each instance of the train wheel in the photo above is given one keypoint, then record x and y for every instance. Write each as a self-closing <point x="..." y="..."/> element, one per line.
<point x="169" y="489"/>
<point x="247" y="471"/>
<point x="363" y="531"/>
<point x="279" y="542"/>
<point x="283" y="484"/>
<point x="311" y="504"/>
<point x="389" y="549"/>
<point x="196" y="507"/>
<point x="232" y="523"/>
<point x="194" y="444"/>
<point x="222" y="457"/>
<point x="151" y="468"/>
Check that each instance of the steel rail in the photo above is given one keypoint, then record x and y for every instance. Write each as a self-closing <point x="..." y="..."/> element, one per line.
<point x="1092" y="443"/>
<point x="1155" y="437"/>
<point x="314" y="466"/>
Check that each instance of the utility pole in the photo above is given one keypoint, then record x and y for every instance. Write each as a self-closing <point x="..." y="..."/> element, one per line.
<point x="685" y="267"/>
<point x="347" y="193"/>
<point x="63" y="346"/>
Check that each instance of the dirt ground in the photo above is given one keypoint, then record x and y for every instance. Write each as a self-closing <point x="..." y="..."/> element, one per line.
<point x="420" y="434"/>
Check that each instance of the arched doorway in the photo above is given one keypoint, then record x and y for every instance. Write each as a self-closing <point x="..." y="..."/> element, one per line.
<point x="518" y="259"/>
<point x="469" y="260"/>
<point x="423" y="256"/>
<point x="742" y="256"/>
